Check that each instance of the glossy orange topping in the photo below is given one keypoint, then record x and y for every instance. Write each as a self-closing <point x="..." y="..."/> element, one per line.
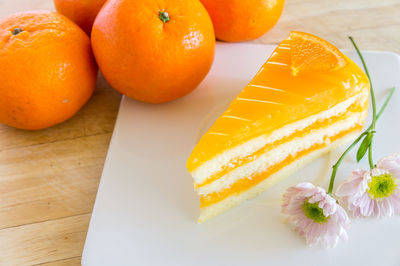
<point x="275" y="98"/>
<point x="246" y="183"/>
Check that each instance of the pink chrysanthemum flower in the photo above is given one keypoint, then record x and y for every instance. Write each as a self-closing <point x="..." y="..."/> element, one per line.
<point x="315" y="215"/>
<point x="373" y="193"/>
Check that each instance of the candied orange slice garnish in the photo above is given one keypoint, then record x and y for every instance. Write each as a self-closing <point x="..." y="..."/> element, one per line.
<point x="311" y="53"/>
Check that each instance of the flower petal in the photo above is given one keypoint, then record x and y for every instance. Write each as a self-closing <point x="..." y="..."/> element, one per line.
<point x="391" y="164"/>
<point x="349" y="187"/>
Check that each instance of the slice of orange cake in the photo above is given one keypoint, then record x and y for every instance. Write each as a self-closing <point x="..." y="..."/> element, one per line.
<point x="307" y="99"/>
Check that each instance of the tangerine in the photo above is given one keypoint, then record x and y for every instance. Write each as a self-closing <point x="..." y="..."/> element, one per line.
<point x="153" y="51"/>
<point x="81" y="12"/>
<point x="239" y="20"/>
<point x="47" y="70"/>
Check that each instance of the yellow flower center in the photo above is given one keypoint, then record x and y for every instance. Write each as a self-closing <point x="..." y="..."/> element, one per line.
<point x="314" y="212"/>
<point x="381" y="186"/>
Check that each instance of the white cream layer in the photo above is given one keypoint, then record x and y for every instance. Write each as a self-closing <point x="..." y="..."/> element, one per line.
<point x="281" y="152"/>
<point x="209" y="168"/>
<point x="227" y="203"/>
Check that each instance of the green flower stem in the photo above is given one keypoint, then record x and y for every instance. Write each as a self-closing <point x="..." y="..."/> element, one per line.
<point x="370" y="160"/>
<point x="368" y="130"/>
<point x="384" y="105"/>
<point x="371" y="163"/>
<point x="336" y="165"/>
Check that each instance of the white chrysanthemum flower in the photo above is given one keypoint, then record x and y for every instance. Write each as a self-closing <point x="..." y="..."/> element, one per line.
<point x="373" y="193"/>
<point x="315" y="215"/>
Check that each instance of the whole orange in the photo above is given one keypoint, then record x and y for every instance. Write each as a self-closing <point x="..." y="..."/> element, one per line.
<point x="153" y="51"/>
<point x="82" y="12"/>
<point x="243" y="20"/>
<point x="47" y="70"/>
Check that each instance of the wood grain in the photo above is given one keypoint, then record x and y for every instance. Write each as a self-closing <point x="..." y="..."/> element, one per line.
<point x="59" y="179"/>
<point x="75" y="261"/>
<point x="43" y="242"/>
<point x="49" y="178"/>
<point x="64" y="262"/>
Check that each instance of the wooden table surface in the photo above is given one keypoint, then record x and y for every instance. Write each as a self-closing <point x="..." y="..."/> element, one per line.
<point x="49" y="178"/>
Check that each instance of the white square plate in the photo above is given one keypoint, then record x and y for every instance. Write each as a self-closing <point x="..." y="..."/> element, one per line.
<point x="146" y="209"/>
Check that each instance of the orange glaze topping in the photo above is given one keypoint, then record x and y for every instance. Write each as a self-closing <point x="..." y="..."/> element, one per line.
<point x="246" y="183"/>
<point x="275" y="98"/>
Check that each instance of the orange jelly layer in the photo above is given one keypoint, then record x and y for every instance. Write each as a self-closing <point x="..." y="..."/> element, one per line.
<point x="236" y="162"/>
<point x="247" y="183"/>
<point x="275" y="98"/>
